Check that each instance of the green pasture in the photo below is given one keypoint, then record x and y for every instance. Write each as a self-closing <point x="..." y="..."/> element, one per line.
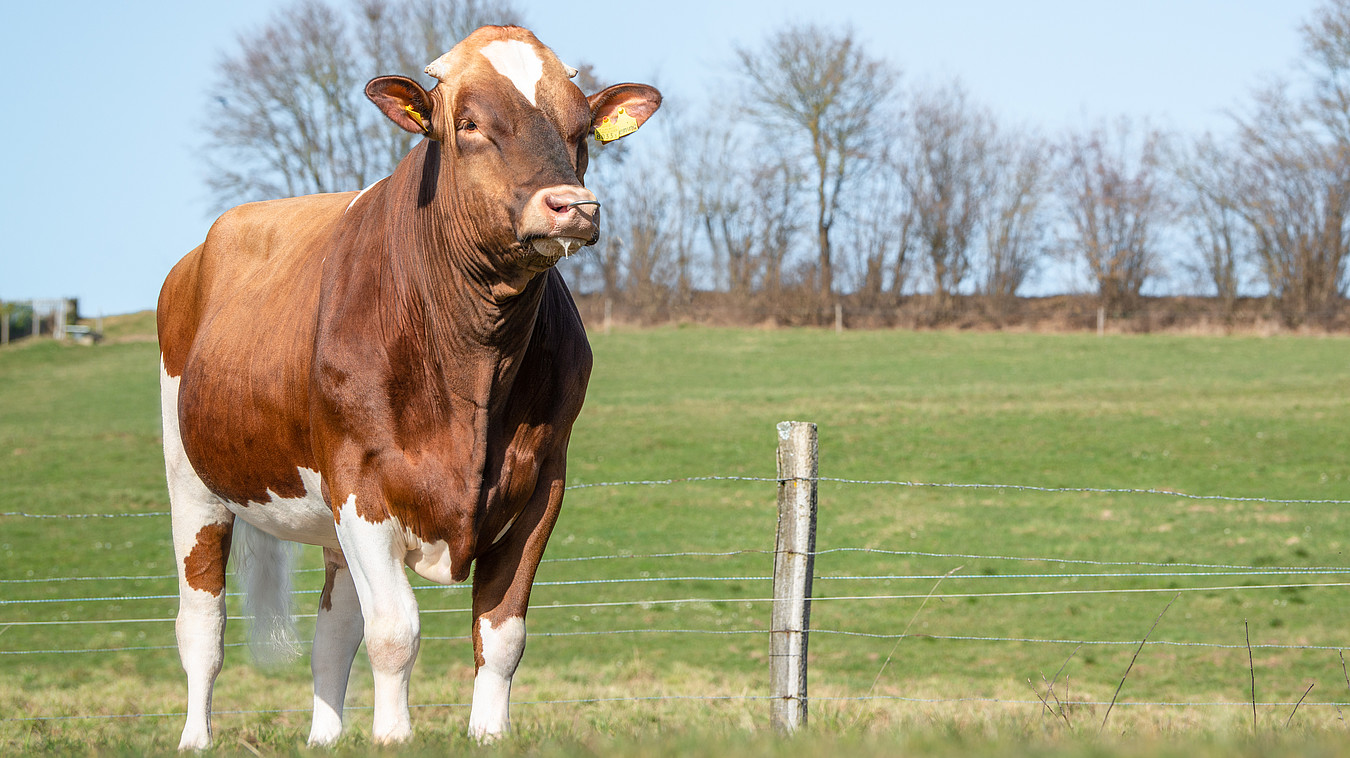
<point x="1040" y="586"/>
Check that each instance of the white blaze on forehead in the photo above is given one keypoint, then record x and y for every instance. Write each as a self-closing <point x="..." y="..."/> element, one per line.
<point x="519" y="62"/>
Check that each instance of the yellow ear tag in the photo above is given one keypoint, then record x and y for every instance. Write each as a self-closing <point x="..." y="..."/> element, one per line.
<point x="612" y="128"/>
<point x="416" y="117"/>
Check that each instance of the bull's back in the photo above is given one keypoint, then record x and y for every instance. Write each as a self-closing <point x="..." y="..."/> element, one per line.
<point x="236" y="322"/>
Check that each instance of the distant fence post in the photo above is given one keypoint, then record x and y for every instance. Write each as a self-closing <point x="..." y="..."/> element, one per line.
<point x="793" y="567"/>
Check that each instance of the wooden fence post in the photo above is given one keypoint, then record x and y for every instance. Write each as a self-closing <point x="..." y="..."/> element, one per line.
<point x="793" y="568"/>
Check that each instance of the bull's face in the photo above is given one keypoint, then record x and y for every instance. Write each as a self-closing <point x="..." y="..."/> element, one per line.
<point x="511" y="145"/>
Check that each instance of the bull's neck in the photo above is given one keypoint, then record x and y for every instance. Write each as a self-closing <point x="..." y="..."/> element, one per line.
<point x="479" y="341"/>
<point x="450" y="289"/>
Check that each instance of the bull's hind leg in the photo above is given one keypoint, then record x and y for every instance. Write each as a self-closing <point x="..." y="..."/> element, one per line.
<point x="337" y="635"/>
<point x="201" y="542"/>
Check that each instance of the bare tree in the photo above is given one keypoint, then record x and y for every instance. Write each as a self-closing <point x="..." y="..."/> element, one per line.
<point x="882" y="239"/>
<point x="818" y="88"/>
<point x="1278" y="195"/>
<point x="1111" y="188"/>
<point x="719" y="193"/>
<point x="1299" y="195"/>
<point x="741" y="202"/>
<point x="946" y="171"/>
<point x="1214" y="207"/>
<point x="1296" y="201"/>
<point x="775" y="188"/>
<point x="646" y="232"/>
<point x="1017" y="223"/>
<point x="288" y="115"/>
<point x="1326" y="43"/>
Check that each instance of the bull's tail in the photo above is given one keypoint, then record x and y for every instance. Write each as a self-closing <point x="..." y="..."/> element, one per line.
<point x="262" y="564"/>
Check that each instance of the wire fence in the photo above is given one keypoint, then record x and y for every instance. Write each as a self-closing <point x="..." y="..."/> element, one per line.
<point x="1110" y="578"/>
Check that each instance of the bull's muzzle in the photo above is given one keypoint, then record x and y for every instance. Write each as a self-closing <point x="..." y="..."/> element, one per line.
<point x="559" y="221"/>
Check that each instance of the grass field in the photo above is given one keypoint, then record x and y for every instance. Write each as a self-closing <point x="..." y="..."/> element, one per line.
<point x="1239" y="417"/>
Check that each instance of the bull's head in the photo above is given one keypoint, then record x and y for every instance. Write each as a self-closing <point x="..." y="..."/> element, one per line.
<point x="510" y="144"/>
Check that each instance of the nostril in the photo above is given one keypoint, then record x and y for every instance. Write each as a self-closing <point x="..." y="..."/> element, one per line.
<point x="563" y="203"/>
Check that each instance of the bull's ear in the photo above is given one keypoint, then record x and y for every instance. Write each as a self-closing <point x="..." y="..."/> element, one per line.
<point x="619" y="110"/>
<point x="403" y="101"/>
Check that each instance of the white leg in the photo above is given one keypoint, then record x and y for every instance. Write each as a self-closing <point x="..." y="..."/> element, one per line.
<point x="337" y="635"/>
<point x="200" y="630"/>
<point x="201" y="547"/>
<point x="202" y="527"/>
<point x="501" y="647"/>
<point x="375" y="554"/>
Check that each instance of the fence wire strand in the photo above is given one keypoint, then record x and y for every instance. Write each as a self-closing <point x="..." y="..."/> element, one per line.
<point x="823" y="598"/>
<point x="1200" y="570"/>
<point x="829" y="551"/>
<point x="827" y="479"/>
<point x="825" y="577"/>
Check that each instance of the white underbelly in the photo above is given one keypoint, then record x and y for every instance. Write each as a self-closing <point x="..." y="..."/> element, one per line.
<point x="306" y="518"/>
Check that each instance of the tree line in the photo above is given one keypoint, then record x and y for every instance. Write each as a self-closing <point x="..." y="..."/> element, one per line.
<point x="833" y="177"/>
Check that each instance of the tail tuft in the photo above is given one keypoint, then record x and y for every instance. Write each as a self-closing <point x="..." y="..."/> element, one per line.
<point x="263" y="564"/>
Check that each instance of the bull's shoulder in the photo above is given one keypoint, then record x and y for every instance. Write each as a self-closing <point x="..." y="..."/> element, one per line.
<point x="253" y="232"/>
<point x="270" y="238"/>
<point x="258" y="258"/>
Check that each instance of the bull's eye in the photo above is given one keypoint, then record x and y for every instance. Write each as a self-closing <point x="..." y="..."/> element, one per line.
<point x="468" y="126"/>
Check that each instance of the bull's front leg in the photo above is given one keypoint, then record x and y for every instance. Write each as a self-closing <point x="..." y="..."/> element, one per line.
<point x="374" y="550"/>
<point x="501" y="595"/>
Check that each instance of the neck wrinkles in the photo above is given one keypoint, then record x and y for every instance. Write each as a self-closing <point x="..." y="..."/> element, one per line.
<point x="476" y="339"/>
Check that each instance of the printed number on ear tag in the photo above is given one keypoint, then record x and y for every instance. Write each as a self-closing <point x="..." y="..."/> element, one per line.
<point x="616" y="126"/>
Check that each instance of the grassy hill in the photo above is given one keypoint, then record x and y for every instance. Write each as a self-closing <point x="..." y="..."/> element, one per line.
<point x="1056" y="585"/>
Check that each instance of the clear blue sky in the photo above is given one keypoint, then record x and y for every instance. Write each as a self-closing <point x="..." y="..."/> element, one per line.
<point x="103" y="190"/>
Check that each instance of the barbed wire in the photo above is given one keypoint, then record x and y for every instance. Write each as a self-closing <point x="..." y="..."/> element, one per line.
<point x="1088" y="490"/>
<point x="828" y="479"/>
<point x="24" y="514"/>
<point x="819" y="577"/>
<point x="1206" y="570"/>
<point x="1082" y="561"/>
<point x="674" y="480"/>
<point x="1103" y="643"/>
<point x="733" y="553"/>
<point x="825" y="598"/>
<point x="574" y="559"/>
<point x="1071" y="702"/>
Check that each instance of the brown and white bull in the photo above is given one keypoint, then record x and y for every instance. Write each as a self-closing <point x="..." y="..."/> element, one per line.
<point x="392" y="375"/>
